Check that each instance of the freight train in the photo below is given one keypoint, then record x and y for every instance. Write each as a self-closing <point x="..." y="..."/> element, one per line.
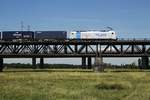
<point x="57" y="35"/>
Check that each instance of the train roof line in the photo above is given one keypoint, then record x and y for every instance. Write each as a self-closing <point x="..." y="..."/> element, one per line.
<point x="92" y="30"/>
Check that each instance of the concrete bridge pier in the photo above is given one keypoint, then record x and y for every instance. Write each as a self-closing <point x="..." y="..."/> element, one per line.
<point x="145" y="63"/>
<point x="139" y="63"/>
<point x="83" y="62"/>
<point x="89" y="63"/>
<point x="34" y="63"/>
<point x="1" y="64"/>
<point x="98" y="65"/>
<point x="41" y="63"/>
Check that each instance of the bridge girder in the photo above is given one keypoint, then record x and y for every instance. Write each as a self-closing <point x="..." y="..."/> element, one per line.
<point x="75" y="49"/>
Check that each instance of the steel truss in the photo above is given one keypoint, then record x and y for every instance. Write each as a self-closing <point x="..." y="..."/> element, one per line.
<point x="120" y="48"/>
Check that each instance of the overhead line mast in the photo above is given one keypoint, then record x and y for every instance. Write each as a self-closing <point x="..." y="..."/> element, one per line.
<point x="22" y="26"/>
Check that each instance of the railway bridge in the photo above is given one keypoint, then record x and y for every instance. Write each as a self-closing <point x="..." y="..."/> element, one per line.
<point x="76" y="48"/>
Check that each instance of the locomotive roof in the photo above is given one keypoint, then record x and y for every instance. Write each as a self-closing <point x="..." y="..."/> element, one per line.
<point x="93" y="30"/>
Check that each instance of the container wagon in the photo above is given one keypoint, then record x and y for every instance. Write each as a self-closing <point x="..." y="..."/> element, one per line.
<point x="17" y="35"/>
<point x="28" y="35"/>
<point x="50" y="35"/>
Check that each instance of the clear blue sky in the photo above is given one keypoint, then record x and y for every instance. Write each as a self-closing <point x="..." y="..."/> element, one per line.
<point x="130" y="18"/>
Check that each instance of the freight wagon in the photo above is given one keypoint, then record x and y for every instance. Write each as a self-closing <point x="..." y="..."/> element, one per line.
<point x="17" y="35"/>
<point x="30" y="35"/>
<point x="50" y="35"/>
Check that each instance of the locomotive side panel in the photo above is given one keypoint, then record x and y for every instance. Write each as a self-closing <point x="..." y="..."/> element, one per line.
<point x="97" y="35"/>
<point x="92" y="35"/>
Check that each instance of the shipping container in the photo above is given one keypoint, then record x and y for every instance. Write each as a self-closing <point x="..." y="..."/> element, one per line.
<point x="92" y="35"/>
<point x="27" y="35"/>
<point x="17" y="35"/>
<point x="50" y="35"/>
<point x="11" y="35"/>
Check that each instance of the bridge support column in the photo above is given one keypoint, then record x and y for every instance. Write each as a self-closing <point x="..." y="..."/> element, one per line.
<point x="139" y="63"/>
<point x="34" y="63"/>
<point x="89" y="63"/>
<point x="83" y="62"/>
<point x="98" y="66"/>
<point x="41" y="63"/>
<point x="1" y="64"/>
<point x="145" y="63"/>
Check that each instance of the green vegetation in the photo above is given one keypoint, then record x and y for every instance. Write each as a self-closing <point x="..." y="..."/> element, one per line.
<point x="74" y="84"/>
<point x="47" y="66"/>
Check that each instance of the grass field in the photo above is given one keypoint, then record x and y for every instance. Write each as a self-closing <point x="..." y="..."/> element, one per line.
<point x="74" y="85"/>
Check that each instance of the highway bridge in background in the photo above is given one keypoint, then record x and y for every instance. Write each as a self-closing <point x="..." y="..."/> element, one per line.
<point x="76" y="48"/>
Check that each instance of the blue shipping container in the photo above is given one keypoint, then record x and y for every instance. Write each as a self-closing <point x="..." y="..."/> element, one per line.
<point x="42" y="35"/>
<point x="12" y="35"/>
